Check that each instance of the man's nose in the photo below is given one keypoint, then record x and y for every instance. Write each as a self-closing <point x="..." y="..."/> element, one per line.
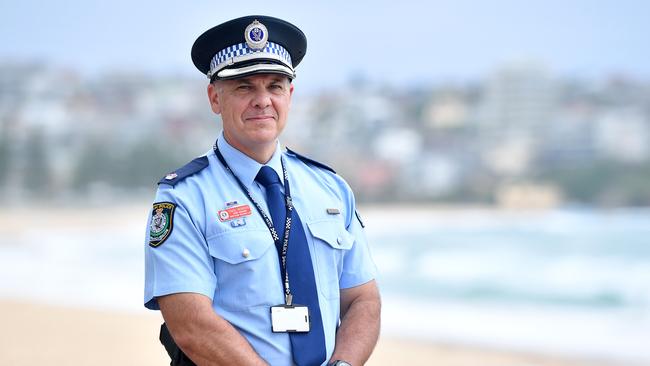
<point x="262" y="99"/>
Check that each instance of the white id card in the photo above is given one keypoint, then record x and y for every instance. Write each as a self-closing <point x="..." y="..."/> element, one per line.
<point x="290" y="318"/>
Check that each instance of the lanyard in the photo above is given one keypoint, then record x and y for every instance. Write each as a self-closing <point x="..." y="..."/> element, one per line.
<point x="269" y="224"/>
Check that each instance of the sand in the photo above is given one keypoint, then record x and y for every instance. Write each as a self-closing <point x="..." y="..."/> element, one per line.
<point x="39" y="334"/>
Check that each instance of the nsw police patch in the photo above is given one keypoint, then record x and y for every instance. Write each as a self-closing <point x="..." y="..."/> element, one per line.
<point x="161" y="223"/>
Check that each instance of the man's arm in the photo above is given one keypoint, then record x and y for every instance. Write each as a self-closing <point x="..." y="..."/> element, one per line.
<point x="204" y="336"/>
<point x="359" y="330"/>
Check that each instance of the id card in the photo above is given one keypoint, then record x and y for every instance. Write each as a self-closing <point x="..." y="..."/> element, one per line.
<point x="290" y="318"/>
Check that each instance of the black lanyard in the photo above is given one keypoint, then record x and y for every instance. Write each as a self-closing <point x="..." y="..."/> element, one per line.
<point x="269" y="224"/>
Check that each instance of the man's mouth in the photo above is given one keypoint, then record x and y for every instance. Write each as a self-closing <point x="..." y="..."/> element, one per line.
<point x="260" y="118"/>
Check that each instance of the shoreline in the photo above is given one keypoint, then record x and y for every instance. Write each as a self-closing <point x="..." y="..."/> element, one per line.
<point x="36" y="333"/>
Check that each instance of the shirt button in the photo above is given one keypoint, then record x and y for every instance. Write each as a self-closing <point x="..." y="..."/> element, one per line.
<point x="246" y="253"/>
<point x="339" y="240"/>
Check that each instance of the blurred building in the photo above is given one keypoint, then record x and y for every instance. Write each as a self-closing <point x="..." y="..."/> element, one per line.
<point x="522" y="137"/>
<point x="518" y="105"/>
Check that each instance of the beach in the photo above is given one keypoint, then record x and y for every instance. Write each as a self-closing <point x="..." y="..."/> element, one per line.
<point x="71" y="287"/>
<point x="39" y="334"/>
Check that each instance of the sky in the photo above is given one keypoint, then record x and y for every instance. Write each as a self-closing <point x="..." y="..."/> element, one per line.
<point x="400" y="42"/>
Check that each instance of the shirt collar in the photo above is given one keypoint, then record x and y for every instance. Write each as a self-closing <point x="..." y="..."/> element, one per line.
<point x="244" y="167"/>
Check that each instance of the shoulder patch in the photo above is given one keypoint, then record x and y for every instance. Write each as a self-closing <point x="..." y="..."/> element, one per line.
<point x="310" y="161"/>
<point x="162" y="223"/>
<point x="185" y="171"/>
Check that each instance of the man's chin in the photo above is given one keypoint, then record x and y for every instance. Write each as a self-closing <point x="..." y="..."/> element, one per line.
<point x="264" y="137"/>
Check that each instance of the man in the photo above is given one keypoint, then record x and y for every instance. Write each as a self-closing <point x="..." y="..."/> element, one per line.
<point x="255" y="255"/>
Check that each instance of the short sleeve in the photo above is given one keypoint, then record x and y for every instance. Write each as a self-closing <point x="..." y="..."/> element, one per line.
<point x="358" y="265"/>
<point x="180" y="262"/>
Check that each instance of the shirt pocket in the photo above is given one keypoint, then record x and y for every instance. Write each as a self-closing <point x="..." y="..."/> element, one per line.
<point x="247" y="269"/>
<point x="330" y="242"/>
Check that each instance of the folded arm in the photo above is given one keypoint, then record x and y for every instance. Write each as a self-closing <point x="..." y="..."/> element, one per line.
<point x="204" y="336"/>
<point x="360" y="319"/>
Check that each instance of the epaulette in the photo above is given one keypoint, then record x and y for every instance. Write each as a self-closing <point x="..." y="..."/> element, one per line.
<point x="185" y="171"/>
<point x="310" y="161"/>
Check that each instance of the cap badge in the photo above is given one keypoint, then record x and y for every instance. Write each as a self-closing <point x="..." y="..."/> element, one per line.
<point x="256" y="35"/>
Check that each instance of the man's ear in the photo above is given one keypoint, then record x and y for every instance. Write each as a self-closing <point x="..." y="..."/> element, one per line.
<point x="213" y="96"/>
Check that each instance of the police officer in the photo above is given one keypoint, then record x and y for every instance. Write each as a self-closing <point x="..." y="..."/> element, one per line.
<point x="255" y="254"/>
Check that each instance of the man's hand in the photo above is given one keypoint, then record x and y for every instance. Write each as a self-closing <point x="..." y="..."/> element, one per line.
<point x="205" y="337"/>
<point x="360" y="318"/>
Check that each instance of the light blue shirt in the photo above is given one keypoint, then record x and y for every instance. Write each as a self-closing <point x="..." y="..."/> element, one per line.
<point x="237" y="266"/>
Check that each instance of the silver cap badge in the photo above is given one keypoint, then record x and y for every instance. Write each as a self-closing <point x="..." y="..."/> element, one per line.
<point x="256" y="35"/>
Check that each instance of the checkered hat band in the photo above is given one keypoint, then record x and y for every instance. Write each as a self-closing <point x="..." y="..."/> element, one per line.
<point x="230" y="54"/>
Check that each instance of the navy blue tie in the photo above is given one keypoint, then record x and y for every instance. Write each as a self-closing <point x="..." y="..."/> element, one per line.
<point x="308" y="348"/>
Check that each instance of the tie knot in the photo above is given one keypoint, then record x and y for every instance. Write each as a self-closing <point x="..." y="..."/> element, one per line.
<point x="267" y="176"/>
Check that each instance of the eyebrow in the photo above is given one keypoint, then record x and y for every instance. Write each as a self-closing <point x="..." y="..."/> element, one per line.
<point x="243" y="81"/>
<point x="274" y="79"/>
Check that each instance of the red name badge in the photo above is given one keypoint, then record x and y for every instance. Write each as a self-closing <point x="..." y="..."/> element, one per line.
<point x="234" y="212"/>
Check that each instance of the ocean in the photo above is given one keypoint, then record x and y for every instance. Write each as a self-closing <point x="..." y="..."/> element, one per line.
<point x="572" y="282"/>
<point x="569" y="282"/>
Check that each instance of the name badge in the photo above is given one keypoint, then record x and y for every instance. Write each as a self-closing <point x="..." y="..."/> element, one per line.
<point x="290" y="318"/>
<point x="234" y="212"/>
